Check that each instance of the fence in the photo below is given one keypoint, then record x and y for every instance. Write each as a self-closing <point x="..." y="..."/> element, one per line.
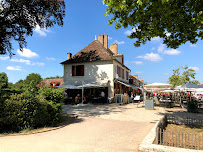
<point x="178" y="138"/>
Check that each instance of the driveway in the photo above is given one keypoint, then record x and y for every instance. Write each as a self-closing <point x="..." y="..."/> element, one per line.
<point x="109" y="128"/>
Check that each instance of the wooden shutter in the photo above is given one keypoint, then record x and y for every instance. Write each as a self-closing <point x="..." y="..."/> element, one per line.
<point x="82" y="70"/>
<point x="73" y="70"/>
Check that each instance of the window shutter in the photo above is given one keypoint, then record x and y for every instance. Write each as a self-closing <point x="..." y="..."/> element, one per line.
<point x="73" y="70"/>
<point x="82" y="70"/>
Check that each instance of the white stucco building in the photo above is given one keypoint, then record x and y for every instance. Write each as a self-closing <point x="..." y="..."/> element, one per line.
<point x="98" y="65"/>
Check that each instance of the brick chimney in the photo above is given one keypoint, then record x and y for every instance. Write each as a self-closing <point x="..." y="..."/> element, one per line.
<point x="114" y="48"/>
<point x="69" y="55"/>
<point x="103" y="39"/>
<point x="135" y="76"/>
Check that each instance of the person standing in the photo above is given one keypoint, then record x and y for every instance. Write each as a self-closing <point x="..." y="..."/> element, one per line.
<point x="103" y="97"/>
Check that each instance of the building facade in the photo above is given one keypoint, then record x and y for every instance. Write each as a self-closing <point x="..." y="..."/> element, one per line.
<point x="98" y="66"/>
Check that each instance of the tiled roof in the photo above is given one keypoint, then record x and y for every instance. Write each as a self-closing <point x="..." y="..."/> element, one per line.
<point x="93" y="52"/>
<point x="47" y="82"/>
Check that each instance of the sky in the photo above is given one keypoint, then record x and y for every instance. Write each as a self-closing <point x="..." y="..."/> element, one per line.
<point x="47" y="48"/>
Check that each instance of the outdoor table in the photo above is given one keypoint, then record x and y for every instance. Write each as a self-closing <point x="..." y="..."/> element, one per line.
<point x="167" y="103"/>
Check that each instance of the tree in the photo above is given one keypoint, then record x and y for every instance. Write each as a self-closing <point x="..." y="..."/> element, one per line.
<point x="175" y="21"/>
<point x="183" y="75"/>
<point x="34" y="78"/>
<point x="18" y="19"/>
<point x="3" y="80"/>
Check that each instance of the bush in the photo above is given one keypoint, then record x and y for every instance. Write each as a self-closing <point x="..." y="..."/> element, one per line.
<point x="52" y="94"/>
<point x="22" y="112"/>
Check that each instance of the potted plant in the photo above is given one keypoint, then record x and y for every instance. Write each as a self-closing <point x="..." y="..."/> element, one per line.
<point x="192" y="106"/>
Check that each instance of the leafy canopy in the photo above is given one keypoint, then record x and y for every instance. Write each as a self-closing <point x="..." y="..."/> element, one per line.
<point x="175" y="21"/>
<point x="3" y="80"/>
<point x="18" y="19"/>
<point x="183" y="75"/>
<point x="34" y="78"/>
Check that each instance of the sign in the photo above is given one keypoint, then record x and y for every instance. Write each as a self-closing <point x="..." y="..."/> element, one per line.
<point x="118" y="98"/>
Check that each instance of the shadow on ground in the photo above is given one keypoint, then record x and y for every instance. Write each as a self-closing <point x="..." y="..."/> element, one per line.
<point x="92" y="110"/>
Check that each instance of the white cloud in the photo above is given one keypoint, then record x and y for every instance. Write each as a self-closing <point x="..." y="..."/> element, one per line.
<point x="166" y="74"/>
<point x="109" y="38"/>
<point x="14" y="68"/>
<point x="28" y="62"/>
<point x="128" y="32"/>
<point x="161" y="48"/>
<point x="50" y="58"/>
<point x="151" y="57"/>
<point x="4" y="58"/>
<point x="138" y="62"/>
<point x="193" y="45"/>
<point x="153" y="48"/>
<point x="156" y="39"/>
<point x="119" y="42"/>
<point x="195" y="68"/>
<point x="38" y="63"/>
<point x="167" y="34"/>
<point x="172" y="52"/>
<point x="41" y="32"/>
<point x="27" y="53"/>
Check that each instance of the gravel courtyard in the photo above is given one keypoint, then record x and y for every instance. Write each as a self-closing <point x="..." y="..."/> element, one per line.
<point x="108" y="127"/>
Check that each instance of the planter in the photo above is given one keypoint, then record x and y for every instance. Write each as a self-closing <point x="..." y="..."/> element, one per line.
<point x="192" y="106"/>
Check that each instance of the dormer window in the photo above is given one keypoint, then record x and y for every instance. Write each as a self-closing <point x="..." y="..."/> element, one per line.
<point x="78" y="70"/>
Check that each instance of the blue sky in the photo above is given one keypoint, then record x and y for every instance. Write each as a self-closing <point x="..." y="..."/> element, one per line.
<point x="152" y="62"/>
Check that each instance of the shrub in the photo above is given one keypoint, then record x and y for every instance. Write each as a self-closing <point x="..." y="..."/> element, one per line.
<point x="52" y="94"/>
<point x="22" y="112"/>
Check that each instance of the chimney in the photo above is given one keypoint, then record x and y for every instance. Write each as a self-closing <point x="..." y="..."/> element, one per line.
<point x="103" y="39"/>
<point x="142" y="81"/>
<point x="69" y="55"/>
<point x="135" y="76"/>
<point x="114" y="48"/>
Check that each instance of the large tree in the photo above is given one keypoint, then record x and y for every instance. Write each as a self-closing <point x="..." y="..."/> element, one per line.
<point x="3" y="80"/>
<point x="18" y="19"/>
<point x="183" y="75"/>
<point x="176" y="21"/>
<point x="34" y="78"/>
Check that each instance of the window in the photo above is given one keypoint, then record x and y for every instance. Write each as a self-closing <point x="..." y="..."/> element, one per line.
<point x="123" y="73"/>
<point x="118" y="70"/>
<point x="127" y="75"/>
<point x="78" y="70"/>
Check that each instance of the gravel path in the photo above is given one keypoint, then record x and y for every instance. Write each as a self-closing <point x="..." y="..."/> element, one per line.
<point x="109" y="128"/>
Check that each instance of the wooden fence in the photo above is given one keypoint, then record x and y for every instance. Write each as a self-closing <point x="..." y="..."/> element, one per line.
<point x="178" y="138"/>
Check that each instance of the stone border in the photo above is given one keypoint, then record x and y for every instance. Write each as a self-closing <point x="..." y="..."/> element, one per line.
<point x="148" y="146"/>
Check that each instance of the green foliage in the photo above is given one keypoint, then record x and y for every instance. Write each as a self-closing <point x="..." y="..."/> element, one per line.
<point x="56" y="77"/>
<point x="35" y="77"/>
<point x="183" y="75"/>
<point x="157" y="18"/>
<point x="3" y="80"/>
<point x="19" y="18"/>
<point x="21" y="112"/>
<point x="52" y="94"/>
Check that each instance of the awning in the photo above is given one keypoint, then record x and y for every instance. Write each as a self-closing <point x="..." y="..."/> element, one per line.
<point x="68" y="86"/>
<point x="127" y="84"/>
<point x="93" y="85"/>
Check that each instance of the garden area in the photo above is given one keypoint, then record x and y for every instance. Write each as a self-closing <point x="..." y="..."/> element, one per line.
<point x="25" y="106"/>
<point x="182" y="132"/>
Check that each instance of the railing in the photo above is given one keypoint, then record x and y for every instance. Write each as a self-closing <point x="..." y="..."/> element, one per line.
<point x="178" y="138"/>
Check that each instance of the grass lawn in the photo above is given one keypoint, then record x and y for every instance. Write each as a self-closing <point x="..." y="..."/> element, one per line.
<point x="183" y="136"/>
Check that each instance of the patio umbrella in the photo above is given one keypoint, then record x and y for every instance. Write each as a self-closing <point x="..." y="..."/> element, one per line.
<point x="158" y="86"/>
<point x="68" y="86"/>
<point x="188" y="87"/>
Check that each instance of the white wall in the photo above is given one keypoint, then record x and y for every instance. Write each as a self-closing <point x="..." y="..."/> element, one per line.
<point x="97" y="71"/>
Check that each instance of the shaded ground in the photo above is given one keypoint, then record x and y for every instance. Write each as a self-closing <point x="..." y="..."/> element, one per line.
<point x="114" y="128"/>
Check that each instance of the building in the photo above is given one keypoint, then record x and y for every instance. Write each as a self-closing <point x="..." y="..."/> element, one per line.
<point x="98" y="68"/>
<point x="51" y="82"/>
